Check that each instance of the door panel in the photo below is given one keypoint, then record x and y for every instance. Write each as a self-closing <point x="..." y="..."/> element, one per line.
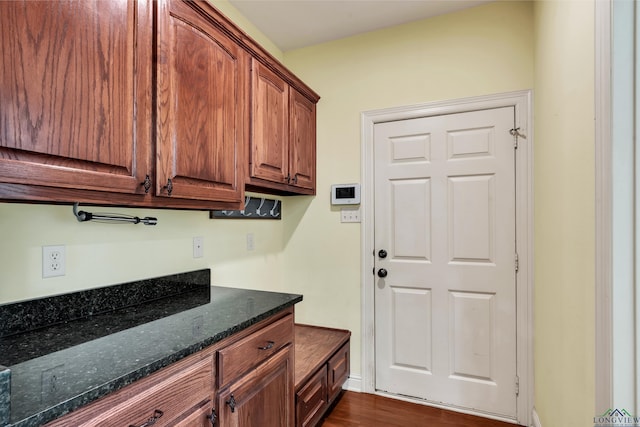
<point x="445" y="212"/>
<point x="269" y="124"/>
<point x="302" y="140"/>
<point x="202" y="84"/>
<point x="74" y="94"/>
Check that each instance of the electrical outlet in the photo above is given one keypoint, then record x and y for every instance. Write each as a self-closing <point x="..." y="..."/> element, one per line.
<point x="251" y="242"/>
<point x="198" y="247"/>
<point x="53" y="261"/>
<point x="349" y="215"/>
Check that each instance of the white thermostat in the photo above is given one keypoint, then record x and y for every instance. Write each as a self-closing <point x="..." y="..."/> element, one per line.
<point x="345" y="194"/>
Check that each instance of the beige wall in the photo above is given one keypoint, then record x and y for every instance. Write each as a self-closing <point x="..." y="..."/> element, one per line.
<point x="483" y="50"/>
<point x="564" y="213"/>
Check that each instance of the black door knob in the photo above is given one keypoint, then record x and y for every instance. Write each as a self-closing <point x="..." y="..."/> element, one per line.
<point x="382" y="253"/>
<point x="382" y="273"/>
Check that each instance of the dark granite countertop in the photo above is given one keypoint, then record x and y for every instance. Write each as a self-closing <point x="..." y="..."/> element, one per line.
<point x="68" y="357"/>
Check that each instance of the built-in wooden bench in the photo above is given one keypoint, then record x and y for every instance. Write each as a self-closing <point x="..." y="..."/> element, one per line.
<point x="321" y="369"/>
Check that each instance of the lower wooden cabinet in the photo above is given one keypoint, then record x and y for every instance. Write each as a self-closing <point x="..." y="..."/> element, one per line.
<point x="312" y="399"/>
<point x="181" y="394"/>
<point x="322" y="367"/>
<point x="263" y="397"/>
<point x="337" y="371"/>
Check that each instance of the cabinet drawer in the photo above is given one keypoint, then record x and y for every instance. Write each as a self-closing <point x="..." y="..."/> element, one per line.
<point x="338" y="367"/>
<point x="185" y="394"/>
<point x="311" y="400"/>
<point x="249" y="352"/>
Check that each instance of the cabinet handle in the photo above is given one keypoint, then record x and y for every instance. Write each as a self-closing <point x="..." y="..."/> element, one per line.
<point x="232" y="403"/>
<point x="269" y="346"/>
<point x="146" y="184"/>
<point x="169" y="186"/>
<point x="151" y="421"/>
<point x="213" y="417"/>
<point x="288" y="178"/>
<point x="295" y="179"/>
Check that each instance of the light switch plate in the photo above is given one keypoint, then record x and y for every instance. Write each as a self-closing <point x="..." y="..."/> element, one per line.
<point x="349" y="215"/>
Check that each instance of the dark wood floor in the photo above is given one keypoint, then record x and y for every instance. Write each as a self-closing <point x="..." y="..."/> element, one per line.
<point x="368" y="410"/>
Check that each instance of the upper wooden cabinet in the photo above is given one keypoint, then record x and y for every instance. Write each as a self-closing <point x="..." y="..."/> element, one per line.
<point x="302" y="141"/>
<point x="74" y="91"/>
<point x="283" y="134"/>
<point x="269" y="125"/>
<point x="202" y="89"/>
<point x="145" y="103"/>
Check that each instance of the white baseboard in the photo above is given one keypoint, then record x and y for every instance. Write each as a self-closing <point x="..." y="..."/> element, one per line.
<point x="353" y="383"/>
<point x="535" y="419"/>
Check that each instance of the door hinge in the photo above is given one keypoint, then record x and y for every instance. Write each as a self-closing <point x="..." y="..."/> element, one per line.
<point x="517" y="385"/>
<point x="517" y="263"/>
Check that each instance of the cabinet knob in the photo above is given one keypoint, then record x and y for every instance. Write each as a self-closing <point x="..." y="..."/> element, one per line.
<point x="269" y="346"/>
<point x="169" y="186"/>
<point x="232" y="403"/>
<point x="382" y="273"/>
<point x="146" y="184"/>
<point x="157" y="414"/>
<point x="213" y="417"/>
<point x="382" y="253"/>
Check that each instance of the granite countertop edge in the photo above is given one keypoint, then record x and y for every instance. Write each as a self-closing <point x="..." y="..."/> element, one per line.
<point x="118" y="383"/>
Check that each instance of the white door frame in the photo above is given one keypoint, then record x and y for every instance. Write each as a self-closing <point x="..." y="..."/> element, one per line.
<point x="522" y="101"/>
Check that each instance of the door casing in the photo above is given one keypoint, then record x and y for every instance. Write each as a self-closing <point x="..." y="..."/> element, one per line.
<point x="522" y="102"/>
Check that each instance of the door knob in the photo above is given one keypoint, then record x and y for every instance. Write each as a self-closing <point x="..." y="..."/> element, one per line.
<point x="382" y="272"/>
<point x="382" y="253"/>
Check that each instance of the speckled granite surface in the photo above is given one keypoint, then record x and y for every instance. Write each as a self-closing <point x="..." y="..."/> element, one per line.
<point x="46" y="386"/>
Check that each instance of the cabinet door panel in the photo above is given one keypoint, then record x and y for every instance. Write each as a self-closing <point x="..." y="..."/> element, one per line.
<point x="302" y="141"/>
<point x="270" y="125"/>
<point x="202" y="84"/>
<point x="71" y="115"/>
<point x="263" y="397"/>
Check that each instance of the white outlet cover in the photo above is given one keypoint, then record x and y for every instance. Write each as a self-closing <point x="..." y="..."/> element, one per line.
<point x="53" y="261"/>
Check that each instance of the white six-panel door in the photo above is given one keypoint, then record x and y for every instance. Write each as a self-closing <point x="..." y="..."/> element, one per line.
<point x="445" y="314"/>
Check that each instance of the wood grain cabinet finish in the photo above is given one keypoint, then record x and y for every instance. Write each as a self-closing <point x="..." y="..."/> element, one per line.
<point x="180" y="395"/>
<point x="256" y="378"/>
<point x="321" y="369"/>
<point x="263" y="397"/>
<point x="238" y="358"/>
<point x="269" y="124"/>
<point x="202" y="106"/>
<point x="74" y="91"/>
<point x="311" y="399"/>
<point x="283" y="134"/>
<point x="302" y="141"/>
<point x="146" y="103"/>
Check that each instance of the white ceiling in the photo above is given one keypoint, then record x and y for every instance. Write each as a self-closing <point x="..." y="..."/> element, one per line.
<point x="292" y="24"/>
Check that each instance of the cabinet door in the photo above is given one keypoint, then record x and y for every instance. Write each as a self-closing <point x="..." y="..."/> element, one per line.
<point x="269" y="125"/>
<point x="302" y="141"/>
<point x="74" y="91"/>
<point x="202" y="107"/>
<point x="263" y="397"/>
